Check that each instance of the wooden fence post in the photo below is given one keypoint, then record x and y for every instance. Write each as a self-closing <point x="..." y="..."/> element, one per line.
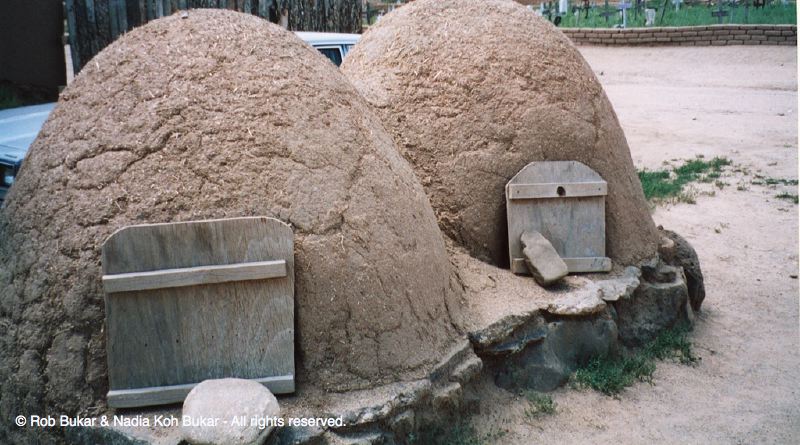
<point x="94" y="24"/>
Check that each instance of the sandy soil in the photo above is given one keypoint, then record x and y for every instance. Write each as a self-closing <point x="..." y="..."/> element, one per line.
<point x="676" y="103"/>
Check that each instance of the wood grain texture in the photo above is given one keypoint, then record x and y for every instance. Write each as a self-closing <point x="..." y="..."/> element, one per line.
<point x="557" y="190"/>
<point x="184" y="335"/>
<point x="163" y="395"/>
<point x="573" y="221"/>
<point x="574" y="265"/>
<point x="193" y="276"/>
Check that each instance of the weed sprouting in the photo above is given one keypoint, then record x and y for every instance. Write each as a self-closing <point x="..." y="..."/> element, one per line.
<point x="611" y="373"/>
<point x="659" y="185"/>
<point x="540" y="404"/>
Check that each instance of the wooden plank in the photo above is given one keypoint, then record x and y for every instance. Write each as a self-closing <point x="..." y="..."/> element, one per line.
<point x="580" y="265"/>
<point x="193" y="276"/>
<point x="164" y="395"/>
<point x="103" y="23"/>
<point x="72" y="26"/>
<point x="91" y="28"/>
<point x="113" y="19"/>
<point x="574" y="265"/>
<point x="122" y="16"/>
<point x="181" y="335"/>
<point x="574" y="224"/>
<point x="557" y="190"/>
<point x="133" y="14"/>
<point x="152" y="11"/>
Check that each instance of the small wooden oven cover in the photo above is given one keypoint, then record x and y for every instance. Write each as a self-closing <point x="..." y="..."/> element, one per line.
<point x="198" y="300"/>
<point x="565" y="202"/>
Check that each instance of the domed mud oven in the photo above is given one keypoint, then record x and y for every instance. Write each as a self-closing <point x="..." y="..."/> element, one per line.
<point x="219" y="115"/>
<point x="476" y="91"/>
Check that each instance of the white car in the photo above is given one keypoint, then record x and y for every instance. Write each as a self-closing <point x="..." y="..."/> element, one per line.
<point x="333" y="45"/>
<point x="18" y="128"/>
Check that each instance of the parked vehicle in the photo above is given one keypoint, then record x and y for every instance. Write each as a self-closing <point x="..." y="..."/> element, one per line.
<point x="333" y="45"/>
<point x="18" y="128"/>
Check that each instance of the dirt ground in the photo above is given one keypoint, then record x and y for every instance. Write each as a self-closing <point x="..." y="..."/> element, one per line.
<point x="676" y="103"/>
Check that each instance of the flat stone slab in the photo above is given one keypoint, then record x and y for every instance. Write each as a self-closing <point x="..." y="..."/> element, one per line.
<point x="622" y="286"/>
<point x="580" y="302"/>
<point x="542" y="260"/>
<point x="221" y="412"/>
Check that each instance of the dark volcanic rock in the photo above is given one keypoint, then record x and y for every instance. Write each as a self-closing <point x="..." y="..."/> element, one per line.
<point x="654" y="305"/>
<point x="685" y="256"/>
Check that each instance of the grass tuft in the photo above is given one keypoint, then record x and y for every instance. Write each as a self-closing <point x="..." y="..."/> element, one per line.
<point x="611" y="373"/>
<point x="459" y="433"/>
<point x="540" y="404"/>
<point x="672" y="344"/>
<point x="660" y="185"/>
<point x="787" y="196"/>
<point x="761" y="180"/>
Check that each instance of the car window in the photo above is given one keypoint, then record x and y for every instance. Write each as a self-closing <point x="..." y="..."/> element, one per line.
<point x="332" y="53"/>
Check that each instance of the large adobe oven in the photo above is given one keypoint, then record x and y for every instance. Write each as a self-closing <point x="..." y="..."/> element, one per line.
<point x="213" y="115"/>
<point x="473" y="90"/>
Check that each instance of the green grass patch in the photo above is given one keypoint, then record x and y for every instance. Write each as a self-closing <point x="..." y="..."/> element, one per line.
<point x="764" y="180"/>
<point x="659" y="184"/>
<point x="670" y="183"/>
<point x="459" y="433"/>
<point x="709" y="178"/>
<point x="687" y="15"/>
<point x="672" y="344"/>
<point x="540" y="404"/>
<point x="787" y="196"/>
<point x="611" y="373"/>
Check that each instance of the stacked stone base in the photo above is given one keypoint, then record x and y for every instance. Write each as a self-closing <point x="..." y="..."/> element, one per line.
<point x="537" y="350"/>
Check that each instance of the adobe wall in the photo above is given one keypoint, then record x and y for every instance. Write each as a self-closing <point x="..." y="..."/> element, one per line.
<point x="716" y="35"/>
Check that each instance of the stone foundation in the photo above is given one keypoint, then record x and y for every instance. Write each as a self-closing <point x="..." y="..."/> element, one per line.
<point x="536" y="350"/>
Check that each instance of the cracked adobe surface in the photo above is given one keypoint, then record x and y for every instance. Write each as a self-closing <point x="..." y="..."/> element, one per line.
<point x="474" y="90"/>
<point x="220" y="115"/>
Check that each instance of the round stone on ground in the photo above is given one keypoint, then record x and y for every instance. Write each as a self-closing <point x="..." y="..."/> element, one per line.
<point x="221" y="412"/>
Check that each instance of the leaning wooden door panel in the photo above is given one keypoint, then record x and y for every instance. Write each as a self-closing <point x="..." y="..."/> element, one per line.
<point x="191" y="301"/>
